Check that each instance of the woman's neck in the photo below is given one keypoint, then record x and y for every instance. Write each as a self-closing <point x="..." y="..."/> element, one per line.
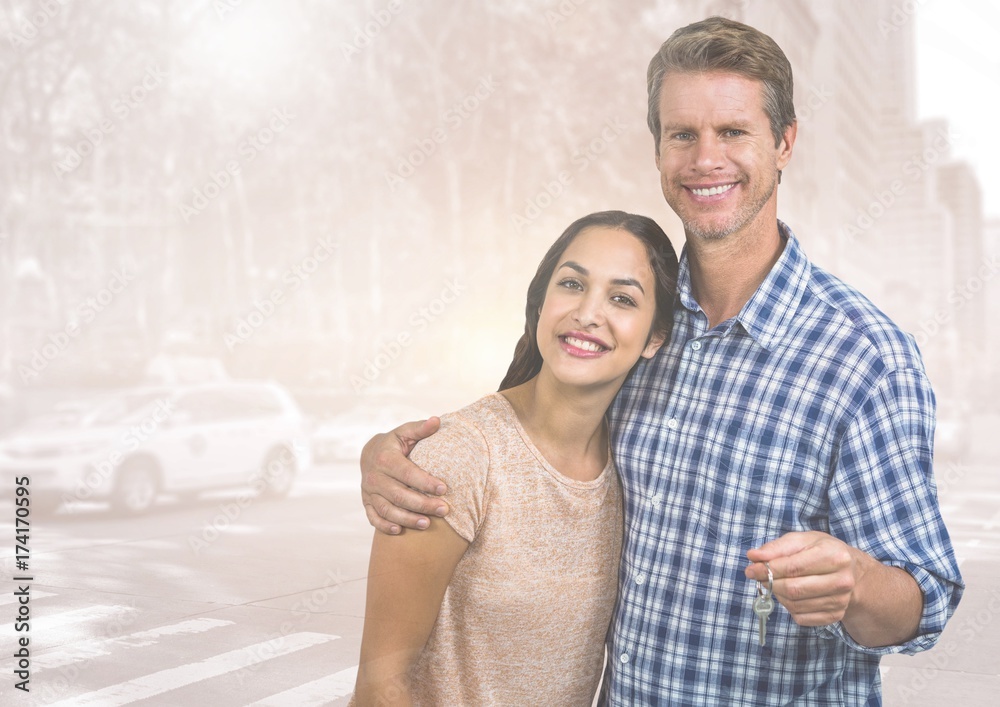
<point x="566" y="423"/>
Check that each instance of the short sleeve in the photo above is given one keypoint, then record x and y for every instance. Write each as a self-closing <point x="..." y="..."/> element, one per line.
<point x="458" y="454"/>
<point x="883" y="499"/>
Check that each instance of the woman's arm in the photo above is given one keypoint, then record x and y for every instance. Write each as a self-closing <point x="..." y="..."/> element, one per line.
<point x="407" y="577"/>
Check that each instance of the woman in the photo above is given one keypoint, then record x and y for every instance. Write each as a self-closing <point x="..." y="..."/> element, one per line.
<point x="507" y="600"/>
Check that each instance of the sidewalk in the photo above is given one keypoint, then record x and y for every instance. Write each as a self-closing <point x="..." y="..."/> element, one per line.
<point x="963" y="669"/>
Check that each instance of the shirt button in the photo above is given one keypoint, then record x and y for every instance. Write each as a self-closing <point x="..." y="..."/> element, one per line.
<point x="672" y="423"/>
<point x="695" y="345"/>
<point x="654" y="500"/>
<point x="623" y="657"/>
<point x="640" y="578"/>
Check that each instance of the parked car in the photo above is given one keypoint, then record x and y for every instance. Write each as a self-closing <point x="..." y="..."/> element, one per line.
<point x="341" y="437"/>
<point x="132" y="446"/>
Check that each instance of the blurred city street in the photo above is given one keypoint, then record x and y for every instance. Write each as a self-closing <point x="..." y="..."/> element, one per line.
<point x="963" y="668"/>
<point x="200" y="602"/>
<point x="223" y="602"/>
<point x="237" y="239"/>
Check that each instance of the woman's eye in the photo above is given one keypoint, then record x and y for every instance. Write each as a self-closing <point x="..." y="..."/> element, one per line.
<point x="624" y="299"/>
<point x="570" y="283"/>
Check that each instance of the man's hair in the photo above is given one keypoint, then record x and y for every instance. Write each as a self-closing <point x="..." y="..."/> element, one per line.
<point x="720" y="44"/>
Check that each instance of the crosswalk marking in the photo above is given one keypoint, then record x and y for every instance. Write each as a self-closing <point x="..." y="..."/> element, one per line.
<point x="11" y="599"/>
<point x="165" y="680"/>
<point x="66" y="619"/>
<point x="315" y="693"/>
<point x="84" y="650"/>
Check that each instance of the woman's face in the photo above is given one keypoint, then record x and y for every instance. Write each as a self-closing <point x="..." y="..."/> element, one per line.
<point x="598" y="310"/>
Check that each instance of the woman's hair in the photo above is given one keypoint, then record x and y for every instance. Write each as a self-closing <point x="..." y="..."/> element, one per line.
<point x="662" y="260"/>
<point x="720" y="44"/>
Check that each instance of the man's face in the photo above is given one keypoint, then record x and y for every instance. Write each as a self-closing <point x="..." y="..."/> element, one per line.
<point x="717" y="159"/>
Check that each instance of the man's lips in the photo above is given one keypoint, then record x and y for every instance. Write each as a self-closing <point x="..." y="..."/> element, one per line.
<point x="583" y="345"/>
<point x="711" y="191"/>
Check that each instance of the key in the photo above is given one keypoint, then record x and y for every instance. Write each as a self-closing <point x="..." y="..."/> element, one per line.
<point x="763" y="605"/>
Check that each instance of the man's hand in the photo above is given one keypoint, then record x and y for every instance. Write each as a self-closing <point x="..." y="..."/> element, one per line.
<point x="392" y="487"/>
<point x="814" y="575"/>
<point x="821" y="580"/>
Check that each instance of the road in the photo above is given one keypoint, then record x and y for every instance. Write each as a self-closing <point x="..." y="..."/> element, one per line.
<point x="205" y="602"/>
<point x="209" y="602"/>
<point x="963" y="669"/>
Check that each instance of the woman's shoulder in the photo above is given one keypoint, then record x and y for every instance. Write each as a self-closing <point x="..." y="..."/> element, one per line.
<point x="463" y="453"/>
<point x="472" y="430"/>
<point x="489" y="415"/>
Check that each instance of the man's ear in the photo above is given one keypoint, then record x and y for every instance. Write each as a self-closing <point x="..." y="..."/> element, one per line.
<point x="787" y="142"/>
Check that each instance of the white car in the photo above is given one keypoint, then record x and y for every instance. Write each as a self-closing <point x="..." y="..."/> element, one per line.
<point x="134" y="445"/>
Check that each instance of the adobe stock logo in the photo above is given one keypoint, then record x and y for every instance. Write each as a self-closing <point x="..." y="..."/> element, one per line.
<point x="959" y="296"/>
<point x="418" y="320"/>
<point x="581" y="158"/>
<point x="366" y="33"/>
<point x="248" y="149"/>
<point x="83" y="314"/>
<point x="292" y="279"/>
<point x="29" y="27"/>
<point x="452" y="120"/>
<point x="122" y="107"/>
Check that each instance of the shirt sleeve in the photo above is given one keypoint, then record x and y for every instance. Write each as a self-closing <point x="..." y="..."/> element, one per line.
<point x="458" y="455"/>
<point x="883" y="500"/>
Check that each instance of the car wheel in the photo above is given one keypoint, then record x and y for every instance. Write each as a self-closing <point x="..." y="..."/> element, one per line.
<point x="136" y="489"/>
<point x="278" y="472"/>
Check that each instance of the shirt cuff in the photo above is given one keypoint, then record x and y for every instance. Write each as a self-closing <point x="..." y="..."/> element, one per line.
<point x="940" y="599"/>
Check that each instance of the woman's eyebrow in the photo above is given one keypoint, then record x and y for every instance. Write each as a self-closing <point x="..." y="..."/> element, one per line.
<point x="623" y="281"/>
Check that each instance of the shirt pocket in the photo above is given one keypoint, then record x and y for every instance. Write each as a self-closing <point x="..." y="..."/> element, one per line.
<point x="789" y="491"/>
<point x="757" y="488"/>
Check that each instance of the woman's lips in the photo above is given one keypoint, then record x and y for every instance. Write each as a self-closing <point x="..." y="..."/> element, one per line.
<point x="583" y="346"/>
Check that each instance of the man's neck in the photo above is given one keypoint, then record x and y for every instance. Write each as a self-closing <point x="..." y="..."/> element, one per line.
<point x="725" y="273"/>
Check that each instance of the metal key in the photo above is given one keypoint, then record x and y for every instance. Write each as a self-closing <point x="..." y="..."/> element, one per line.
<point x="763" y="605"/>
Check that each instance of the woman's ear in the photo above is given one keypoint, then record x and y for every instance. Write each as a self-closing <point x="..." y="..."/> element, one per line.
<point x="653" y="345"/>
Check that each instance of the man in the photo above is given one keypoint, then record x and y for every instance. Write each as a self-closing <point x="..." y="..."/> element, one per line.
<point x="788" y="421"/>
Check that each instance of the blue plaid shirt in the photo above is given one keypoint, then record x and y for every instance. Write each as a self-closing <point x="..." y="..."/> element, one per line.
<point x="809" y="410"/>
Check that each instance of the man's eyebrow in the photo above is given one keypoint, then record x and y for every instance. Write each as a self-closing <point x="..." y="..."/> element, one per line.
<point x="623" y="281"/>
<point x="684" y="127"/>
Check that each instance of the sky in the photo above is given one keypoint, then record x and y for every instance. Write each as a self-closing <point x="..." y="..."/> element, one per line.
<point x="958" y="78"/>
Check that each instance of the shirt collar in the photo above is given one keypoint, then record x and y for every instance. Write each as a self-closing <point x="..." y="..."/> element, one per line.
<point x="768" y="313"/>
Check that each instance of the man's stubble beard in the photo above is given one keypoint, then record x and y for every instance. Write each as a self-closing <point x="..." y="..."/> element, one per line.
<point x="743" y="216"/>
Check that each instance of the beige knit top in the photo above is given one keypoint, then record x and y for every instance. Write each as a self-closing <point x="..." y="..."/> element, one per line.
<point x="524" y="619"/>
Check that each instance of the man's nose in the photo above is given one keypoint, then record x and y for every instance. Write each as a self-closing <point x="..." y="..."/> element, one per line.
<point x="710" y="154"/>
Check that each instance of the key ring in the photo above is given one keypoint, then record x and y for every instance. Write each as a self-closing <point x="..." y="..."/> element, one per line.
<point x="770" y="583"/>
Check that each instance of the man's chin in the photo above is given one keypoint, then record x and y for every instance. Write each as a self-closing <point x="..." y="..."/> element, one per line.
<point x="709" y="233"/>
